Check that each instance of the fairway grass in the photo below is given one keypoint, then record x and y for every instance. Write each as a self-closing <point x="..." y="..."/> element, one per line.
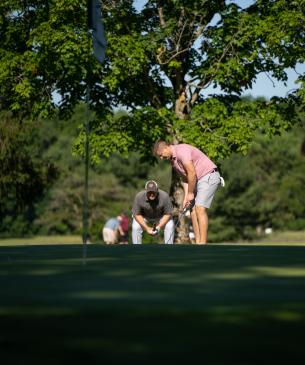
<point x="289" y="237"/>
<point x="276" y="238"/>
<point x="41" y="240"/>
<point x="151" y="304"/>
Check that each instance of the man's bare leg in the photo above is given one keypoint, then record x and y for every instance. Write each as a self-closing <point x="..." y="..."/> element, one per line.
<point x="195" y="225"/>
<point x="203" y="222"/>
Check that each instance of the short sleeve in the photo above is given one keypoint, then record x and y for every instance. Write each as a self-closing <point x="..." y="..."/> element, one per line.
<point x="168" y="208"/>
<point x="184" y="155"/>
<point x="136" y="208"/>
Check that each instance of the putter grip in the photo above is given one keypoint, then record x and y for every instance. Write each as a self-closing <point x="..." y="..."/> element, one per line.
<point x="190" y="207"/>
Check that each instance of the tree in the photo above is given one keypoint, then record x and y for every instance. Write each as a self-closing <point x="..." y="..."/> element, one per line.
<point x="24" y="175"/>
<point x="164" y="56"/>
<point x="113" y="183"/>
<point x="175" y="51"/>
<point x="159" y="63"/>
<point x="263" y="189"/>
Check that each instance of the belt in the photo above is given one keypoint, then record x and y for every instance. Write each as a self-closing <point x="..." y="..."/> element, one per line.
<point x="214" y="170"/>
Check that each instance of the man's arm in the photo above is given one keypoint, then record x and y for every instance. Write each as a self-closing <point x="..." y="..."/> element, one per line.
<point x="140" y="219"/>
<point x="185" y="186"/>
<point x="163" y="221"/>
<point x="191" y="182"/>
<point x="121" y="230"/>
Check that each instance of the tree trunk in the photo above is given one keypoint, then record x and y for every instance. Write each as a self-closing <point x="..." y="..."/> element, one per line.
<point x="176" y="189"/>
<point x="177" y="195"/>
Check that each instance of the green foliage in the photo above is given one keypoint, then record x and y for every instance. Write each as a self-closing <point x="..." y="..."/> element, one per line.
<point x="221" y="126"/>
<point x="112" y="184"/>
<point x="218" y="126"/>
<point x="60" y="212"/>
<point x="125" y="133"/>
<point x="24" y="175"/>
<point x="31" y="160"/>
<point x="153" y="55"/>
<point x="263" y="189"/>
<point x="63" y="213"/>
<point x="44" y="49"/>
<point x="163" y="60"/>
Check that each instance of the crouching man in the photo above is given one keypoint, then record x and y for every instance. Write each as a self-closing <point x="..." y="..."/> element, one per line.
<point x="152" y="211"/>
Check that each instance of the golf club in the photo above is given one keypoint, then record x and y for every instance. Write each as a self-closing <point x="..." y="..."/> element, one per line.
<point x="185" y="209"/>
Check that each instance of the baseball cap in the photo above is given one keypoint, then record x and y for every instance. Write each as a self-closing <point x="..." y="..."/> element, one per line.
<point x="151" y="185"/>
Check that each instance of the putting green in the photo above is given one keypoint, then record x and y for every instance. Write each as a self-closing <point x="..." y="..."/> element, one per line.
<point x="239" y="304"/>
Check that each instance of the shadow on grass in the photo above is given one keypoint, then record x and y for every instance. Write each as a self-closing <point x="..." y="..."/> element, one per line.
<point x="154" y="303"/>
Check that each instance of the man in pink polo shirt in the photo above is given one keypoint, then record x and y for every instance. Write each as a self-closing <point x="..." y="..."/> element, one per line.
<point x="200" y="179"/>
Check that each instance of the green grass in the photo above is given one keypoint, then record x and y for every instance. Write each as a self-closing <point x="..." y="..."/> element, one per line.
<point x="289" y="237"/>
<point x="226" y="304"/>
<point x="41" y="240"/>
<point x="277" y="238"/>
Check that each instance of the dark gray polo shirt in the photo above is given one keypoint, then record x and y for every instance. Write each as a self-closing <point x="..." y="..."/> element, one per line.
<point x="152" y="209"/>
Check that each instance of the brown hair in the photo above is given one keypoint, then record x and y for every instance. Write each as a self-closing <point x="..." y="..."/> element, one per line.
<point x="159" y="144"/>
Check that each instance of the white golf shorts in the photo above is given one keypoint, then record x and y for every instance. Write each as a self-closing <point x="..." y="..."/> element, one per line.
<point x="206" y="189"/>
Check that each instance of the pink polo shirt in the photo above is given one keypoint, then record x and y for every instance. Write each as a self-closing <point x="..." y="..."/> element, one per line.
<point x="184" y="153"/>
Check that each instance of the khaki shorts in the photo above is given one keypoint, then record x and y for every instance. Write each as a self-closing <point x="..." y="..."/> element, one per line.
<point x="109" y="235"/>
<point x="206" y="189"/>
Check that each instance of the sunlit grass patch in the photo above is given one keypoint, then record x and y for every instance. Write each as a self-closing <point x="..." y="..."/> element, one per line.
<point x="41" y="240"/>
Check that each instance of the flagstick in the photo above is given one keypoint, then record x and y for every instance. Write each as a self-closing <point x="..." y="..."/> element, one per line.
<point x="99" y="43"/>
<point x="86" y="190"/>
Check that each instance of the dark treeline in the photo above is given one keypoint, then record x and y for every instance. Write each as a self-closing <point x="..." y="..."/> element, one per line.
<point x="42" y="183"/>
<point x="264" y="189"/>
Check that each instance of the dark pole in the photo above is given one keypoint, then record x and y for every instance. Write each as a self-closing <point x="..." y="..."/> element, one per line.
<point x="87" y="158"/>
<point x="99" y="43"/>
